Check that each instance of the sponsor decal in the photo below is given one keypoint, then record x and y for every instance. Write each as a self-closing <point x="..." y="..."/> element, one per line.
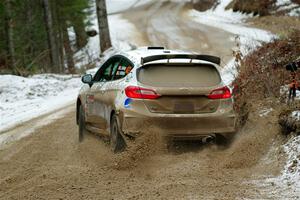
<point x="127" y="102"/>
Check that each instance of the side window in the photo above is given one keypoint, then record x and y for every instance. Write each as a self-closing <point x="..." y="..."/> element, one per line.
<point x="105" y="73"/>
<point x="122" y="69"/>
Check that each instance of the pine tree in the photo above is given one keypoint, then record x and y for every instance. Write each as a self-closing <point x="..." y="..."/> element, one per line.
<point x="54" y="53"/>
<point x="35" y="35"/>
<point x="3" y="53"/>
<point x="10" y="34"/>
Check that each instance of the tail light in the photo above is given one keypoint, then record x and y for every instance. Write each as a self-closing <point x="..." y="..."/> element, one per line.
<point x="136" y="92"/>
<point x="220" y="93"/>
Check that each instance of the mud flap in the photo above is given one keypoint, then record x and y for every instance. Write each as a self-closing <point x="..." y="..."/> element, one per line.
<point x="126" y="140"/>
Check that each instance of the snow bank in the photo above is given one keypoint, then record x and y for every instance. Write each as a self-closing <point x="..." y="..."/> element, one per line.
<point x="287" y="185"/>
<point x="21" y="132"/>
<point x="234" y="23"/>
<point x="116" y="6"/>
<point x="22" y="99"/>
<point x="291" y="174"/>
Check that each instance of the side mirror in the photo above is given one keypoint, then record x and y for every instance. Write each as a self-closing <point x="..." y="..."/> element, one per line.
<point x="88" y="79"/>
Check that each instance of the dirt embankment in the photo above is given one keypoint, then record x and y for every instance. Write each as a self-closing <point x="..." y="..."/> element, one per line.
<point x="263" y="74"/>
<point x="261" y="7"/>
<point x="279" y="25"/>
<point x="203" y="5"/>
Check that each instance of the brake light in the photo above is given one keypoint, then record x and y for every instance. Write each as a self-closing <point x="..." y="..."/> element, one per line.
<point x="136" y="92"/>
<point x="220" y="93"/>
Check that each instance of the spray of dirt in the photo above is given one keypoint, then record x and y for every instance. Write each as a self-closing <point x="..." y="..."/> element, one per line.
<point x="252" y="141"/>
<point x="148" y="144"/>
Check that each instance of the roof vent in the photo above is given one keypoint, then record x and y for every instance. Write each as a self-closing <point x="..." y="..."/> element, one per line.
<point x="156" y="48"/>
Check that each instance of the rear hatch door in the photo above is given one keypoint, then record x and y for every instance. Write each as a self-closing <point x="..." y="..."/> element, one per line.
<point x="183" y="87"/>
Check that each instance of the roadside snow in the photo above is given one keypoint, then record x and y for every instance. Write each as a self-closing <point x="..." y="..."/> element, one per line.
<point x="233" y="22"/>
<point x="290" y="177"/>
<point x="23" y="131"/>
<point x="22" y="99"/>
<point x="265" y="112"/>
<point x="117" y="6"/>
<point x="286" y="185"/>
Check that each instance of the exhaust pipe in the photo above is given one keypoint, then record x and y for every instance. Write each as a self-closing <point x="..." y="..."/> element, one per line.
<point x="208" y="139"/>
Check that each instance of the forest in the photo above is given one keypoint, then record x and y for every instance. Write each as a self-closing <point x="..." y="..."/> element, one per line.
<point x="41" y="36"/>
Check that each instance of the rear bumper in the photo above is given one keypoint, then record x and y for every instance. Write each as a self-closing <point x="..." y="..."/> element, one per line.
<point x="183" y="126"/>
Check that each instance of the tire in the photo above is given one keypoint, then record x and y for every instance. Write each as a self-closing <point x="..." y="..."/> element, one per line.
<point x="81" y="124"/>
<point x="117" y="143"/>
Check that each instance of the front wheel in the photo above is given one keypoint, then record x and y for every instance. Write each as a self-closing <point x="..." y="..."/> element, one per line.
<point x="117" y="142"/>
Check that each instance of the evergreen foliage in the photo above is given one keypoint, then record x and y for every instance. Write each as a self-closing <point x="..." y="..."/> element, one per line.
<point x="28" y="25"/>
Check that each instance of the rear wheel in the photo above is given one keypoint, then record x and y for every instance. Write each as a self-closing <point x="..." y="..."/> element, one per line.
<point x="81" y="124"/>
<point x="117" y="142"/>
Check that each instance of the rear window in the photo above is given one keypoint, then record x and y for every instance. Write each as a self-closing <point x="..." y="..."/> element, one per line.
<point x="179" y="75"/>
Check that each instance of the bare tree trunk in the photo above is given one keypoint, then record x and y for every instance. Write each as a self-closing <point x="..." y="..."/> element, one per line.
<point x="51" y="37"/>
<point x="59" y="39"/>
<point x="105" y="42"/>
<point x="68" y="51"/>
<point x="10" y="35"/>
<point x="81" y="37"/>
<point x="30" y="19"/>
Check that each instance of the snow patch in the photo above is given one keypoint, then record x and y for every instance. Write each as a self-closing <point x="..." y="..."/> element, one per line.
<point x="22" y="99"/>
<point x="296" y="115"/>
<point x="291" y="173"/>
<point x="15" y="135"/>
<point x="265" y="112"/>
<point x="287" y="185"/>
<point x="117" y="6"/>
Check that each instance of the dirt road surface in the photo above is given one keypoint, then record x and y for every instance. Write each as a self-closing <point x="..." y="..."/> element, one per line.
<point x="51" y="164"/>
<point x="168" y="24"/>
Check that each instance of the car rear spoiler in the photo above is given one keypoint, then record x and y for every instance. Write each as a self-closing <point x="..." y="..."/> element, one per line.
<point x="207" y="58"/>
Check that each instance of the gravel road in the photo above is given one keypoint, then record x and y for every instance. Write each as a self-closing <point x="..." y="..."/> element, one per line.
<point x="51" y="164"/>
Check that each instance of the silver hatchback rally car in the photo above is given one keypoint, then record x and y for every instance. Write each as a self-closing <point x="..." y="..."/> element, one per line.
<point x="179" y="92"/>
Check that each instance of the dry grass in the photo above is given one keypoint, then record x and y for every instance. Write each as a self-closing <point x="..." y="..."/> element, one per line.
<point x="296" y="1"/>
<point x="203" y="5"/>
<point x="260" y="7"/>
<point x="263" y="73"/>
<point x="280" y="25"/>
